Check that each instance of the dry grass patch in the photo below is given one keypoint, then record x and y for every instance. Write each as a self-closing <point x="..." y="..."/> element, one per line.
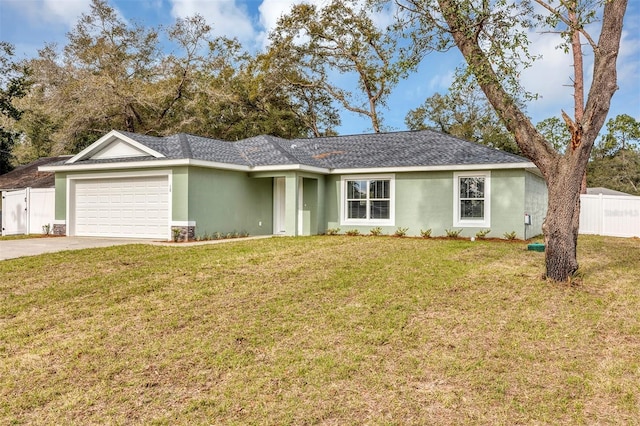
<point x="328" y="330"/>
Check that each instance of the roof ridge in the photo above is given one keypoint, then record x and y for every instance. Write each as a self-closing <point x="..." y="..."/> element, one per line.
<point x="185" y="145"/>
<point x="281" y="149"/>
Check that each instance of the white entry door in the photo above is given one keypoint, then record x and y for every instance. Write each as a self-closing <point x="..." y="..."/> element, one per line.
<point x="135" y="207"/>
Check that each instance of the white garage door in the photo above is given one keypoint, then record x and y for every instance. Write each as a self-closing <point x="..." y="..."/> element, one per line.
<point x="122" y="207"/>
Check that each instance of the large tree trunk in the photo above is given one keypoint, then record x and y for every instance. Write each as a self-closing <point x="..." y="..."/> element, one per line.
<point x="560" y="227"/>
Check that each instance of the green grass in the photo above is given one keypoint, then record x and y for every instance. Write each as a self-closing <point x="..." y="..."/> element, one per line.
<point x="321" y="330"/>
<point x="25" y="237"/>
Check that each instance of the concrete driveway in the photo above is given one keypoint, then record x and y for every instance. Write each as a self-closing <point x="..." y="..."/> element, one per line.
<point x="11" y="249"/>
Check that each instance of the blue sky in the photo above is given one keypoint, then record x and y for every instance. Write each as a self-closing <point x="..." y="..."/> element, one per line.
<point x="29" y="24"/>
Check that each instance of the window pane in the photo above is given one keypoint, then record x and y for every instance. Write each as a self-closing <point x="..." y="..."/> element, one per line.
<point x="379" y="210"/>
<point x="356" y="189"/>
<point x="379" y="189"/>
<point x="472" y="209"/>
<point x="357" y="209"/>
<point x="472" y="187"/>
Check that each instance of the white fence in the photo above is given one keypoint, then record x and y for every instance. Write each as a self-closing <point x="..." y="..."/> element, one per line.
<point x="26" y="211"/>
<point x="613" y="215"/>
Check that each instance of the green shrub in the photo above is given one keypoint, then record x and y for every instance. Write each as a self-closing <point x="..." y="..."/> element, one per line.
<point x="482" y="233"/>
<point x="333" y="231"/>
<point x="453" y="233"/>
<point x="352" y="232"/>
<point x="401" y="232"/>
<point x="426" y="234"/>
<point x="376" y="232"/>
<point x="510" y="235"/>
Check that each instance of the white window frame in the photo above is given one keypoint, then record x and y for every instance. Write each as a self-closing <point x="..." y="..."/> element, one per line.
<point x="344" y="220"/>
<point x="472" y="223"/>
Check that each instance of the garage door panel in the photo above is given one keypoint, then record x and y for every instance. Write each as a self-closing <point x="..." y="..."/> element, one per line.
<point x="122" y="207"/>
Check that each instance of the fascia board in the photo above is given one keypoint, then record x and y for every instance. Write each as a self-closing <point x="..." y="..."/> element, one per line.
<point x="285" y="167"/>
<point x="143" y="165"/>
<point x="458" y="167"/>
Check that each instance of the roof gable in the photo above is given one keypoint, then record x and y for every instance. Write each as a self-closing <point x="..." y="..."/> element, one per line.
<point x="115" y="145"/>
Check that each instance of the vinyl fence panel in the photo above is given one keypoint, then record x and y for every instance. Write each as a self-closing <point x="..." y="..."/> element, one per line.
<point x="41" y="209"/>
<point x="612" y="215"/>
<point x="26" y="211"/>
<point x="14" y="212"/>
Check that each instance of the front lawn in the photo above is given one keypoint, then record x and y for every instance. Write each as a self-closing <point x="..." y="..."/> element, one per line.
<point x="321" y="330"/>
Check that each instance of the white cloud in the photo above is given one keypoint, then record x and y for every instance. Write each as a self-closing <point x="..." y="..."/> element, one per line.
<point x="271" y="10"/>
<point x="227" y="17"/>
<point x="550" y="77"/>
<point x="64" y="12"/>
<point x="628" y="63"/>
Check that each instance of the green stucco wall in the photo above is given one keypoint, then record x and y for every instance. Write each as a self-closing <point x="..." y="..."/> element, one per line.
<point x="535" y="203"/>
<point x="180" y="194"/>
<point x="227" y="201"/>
<point x="61" y="197"/>
<point x="507" y="203"/>
<point x="424" y="200"/>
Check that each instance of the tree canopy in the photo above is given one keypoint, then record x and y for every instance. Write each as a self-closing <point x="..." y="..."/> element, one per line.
<point x="14" y="83"/>
<point x="464" y="113"/>
<point x="113" y="74"/>
<point x="615" y="160"/>
<point x="338" y="38"/>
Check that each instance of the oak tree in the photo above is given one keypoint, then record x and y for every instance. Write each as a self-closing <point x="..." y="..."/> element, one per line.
<point x="14" y="84"/>
<point x="492" y="36"/>
<point x="338" y="41"/>
<point x="615" y="159"/>
<point x="464" y="113"/>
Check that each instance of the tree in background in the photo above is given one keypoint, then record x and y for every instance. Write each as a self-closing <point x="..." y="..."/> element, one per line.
<point x="232" y="98"/>
<point x="554" y="131"/>
<point x="492" y="37"/>
<point x="111" y="64"/>
<point x="338" y="39"/>
<point x="311" y="103"/>
<point x="464" y="113"/>
<point x="14" y="83"/>
<point x="615" y="160"/>
<point x="112" y="74"/>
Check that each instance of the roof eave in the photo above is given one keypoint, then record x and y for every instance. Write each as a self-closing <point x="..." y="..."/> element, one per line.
<point x="143" y="165"/>
<point x="282" y="167"/>
<point x="446" y="167"/>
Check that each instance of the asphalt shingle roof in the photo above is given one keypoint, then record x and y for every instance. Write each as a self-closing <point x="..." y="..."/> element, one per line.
<point x="29" y="176"/>
<point x="396" y="149"/>
<point x="399" y="149"/>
